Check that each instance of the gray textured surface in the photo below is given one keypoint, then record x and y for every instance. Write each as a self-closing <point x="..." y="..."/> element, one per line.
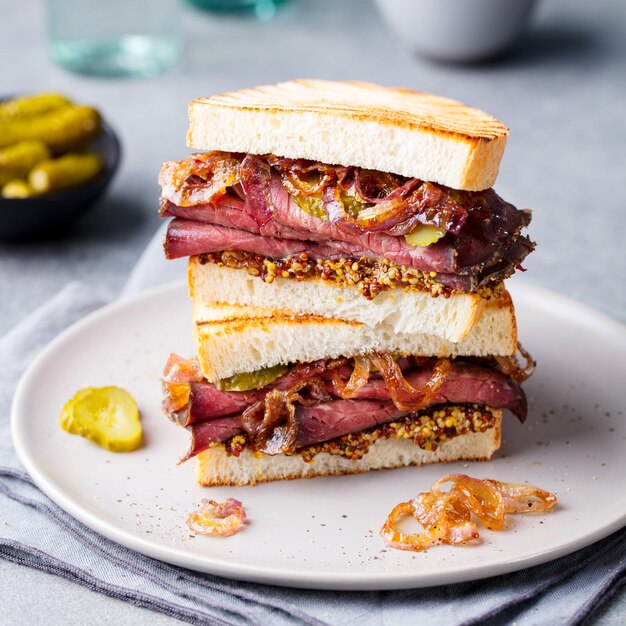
<point x="562" y="93"/>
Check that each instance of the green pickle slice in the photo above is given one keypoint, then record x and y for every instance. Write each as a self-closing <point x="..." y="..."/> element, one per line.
<point x="353" y="206"/>
<point x="108" y="416"/>
<point x="423" y="235"/>
<point x="314" y="205"/>
<point x="251" y="380"/>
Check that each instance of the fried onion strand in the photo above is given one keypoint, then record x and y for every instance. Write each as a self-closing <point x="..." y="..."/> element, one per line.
<point x="446" y="516"/>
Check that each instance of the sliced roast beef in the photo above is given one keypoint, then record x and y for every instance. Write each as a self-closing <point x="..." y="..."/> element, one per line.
<point x="208" y="402"/>
<point x="321" y="422"/>
<point x="231" y="212"/>
<point x="188" y="237"/>
<point x="484" y="241"/>
<point x="261" y="204"/>
<point x="467" y="253"/>
<point x="266" y="184"/>
<point x="466" y="383"/>
<point x="204" y="434"/>
<point x="316" y="423"/>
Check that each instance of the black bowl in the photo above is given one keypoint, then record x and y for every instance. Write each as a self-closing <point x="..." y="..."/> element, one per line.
<point x="47" y="215"/>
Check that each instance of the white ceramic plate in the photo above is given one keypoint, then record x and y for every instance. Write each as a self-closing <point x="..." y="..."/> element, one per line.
<point x="322" y="533"/>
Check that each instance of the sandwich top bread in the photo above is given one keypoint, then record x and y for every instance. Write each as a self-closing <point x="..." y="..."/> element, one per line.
<point x="404" y="132"/>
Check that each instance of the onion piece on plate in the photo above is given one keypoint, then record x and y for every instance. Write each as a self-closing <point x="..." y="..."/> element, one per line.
<point x="446" y="516"/>
<point x="217" y="519"/>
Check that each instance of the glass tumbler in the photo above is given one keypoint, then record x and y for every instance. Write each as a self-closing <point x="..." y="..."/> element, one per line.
<point x="115" y="37"/>
<point x="263" y="9"/>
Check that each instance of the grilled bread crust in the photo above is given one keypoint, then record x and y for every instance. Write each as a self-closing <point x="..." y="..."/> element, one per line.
<point x="214" y="467"/>
<point x="354" y="123"/>
<point x="233" y="339"/>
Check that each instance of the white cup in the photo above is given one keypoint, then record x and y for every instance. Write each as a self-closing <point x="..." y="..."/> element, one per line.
<point x="457" y="30"/>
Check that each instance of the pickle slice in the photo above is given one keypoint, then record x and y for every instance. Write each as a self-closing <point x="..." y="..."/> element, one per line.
<point x="423" y="235"/>
<point x="108" y="416"/>
<point x="251" y="380"/>
<point x="353" y="206"/>
<point x="312" y="205"/>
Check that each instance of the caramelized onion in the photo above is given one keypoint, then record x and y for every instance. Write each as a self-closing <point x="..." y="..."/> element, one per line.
<point x="179" y="370"/>
<point x="177" y="375"/>
<point x="304" y="371"/>
<point x="373" y="186"/>
<point x="359" y="377"/>
<point x="403" y="395"/>
<point x="217" y="519"/>
<point x="304" y="187"/>
<point x="413" y="203"/>
<point x="203" y="177"/>
<point x="446" y="516"/>
<point x="389" y="211"/>
<point x="399" y="204"/>
<point x="440" y="206"/>
<point x="403" y="541"/>
<point x="509" y="365"/>
<point x="271" y="422"/>
<point x="524" y="498"/>
<point x="255" y="177"/>
<point x="482" y="498"/>
<point x="302" y="178"/>
<point x="336" y="211"/>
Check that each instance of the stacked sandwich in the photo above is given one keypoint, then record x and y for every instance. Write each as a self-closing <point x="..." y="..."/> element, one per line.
<point x="346" y="265"/>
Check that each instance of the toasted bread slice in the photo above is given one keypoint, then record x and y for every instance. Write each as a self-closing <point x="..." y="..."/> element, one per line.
<point x="404" y="311"/>
<point x="214" y="467"/>
<point x="353" y="123"/>
<point x="236" y="339"/>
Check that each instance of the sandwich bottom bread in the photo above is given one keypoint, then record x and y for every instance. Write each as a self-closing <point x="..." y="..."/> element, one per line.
<point x="216" y="467"/>
<point x="256" y="415"/>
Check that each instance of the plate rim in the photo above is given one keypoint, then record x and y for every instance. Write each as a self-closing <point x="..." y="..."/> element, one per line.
<point x="295" y="578"/>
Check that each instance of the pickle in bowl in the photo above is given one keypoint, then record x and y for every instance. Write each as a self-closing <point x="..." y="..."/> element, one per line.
<point x="30" y="106"/>
<point x="70" y="170"/>
<point x="62" y="129"/>
<point x="17" y="189"/>
<point x="57" y="158"/>
<point x="18" y="159"/>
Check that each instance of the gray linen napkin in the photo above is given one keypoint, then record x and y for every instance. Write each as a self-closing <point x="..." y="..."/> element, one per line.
<point x="36" y="533"/>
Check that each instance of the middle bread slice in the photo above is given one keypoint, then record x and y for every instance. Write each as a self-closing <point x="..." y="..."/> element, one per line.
<point x="402" y="311"/>
<point x="232" y="339"/>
